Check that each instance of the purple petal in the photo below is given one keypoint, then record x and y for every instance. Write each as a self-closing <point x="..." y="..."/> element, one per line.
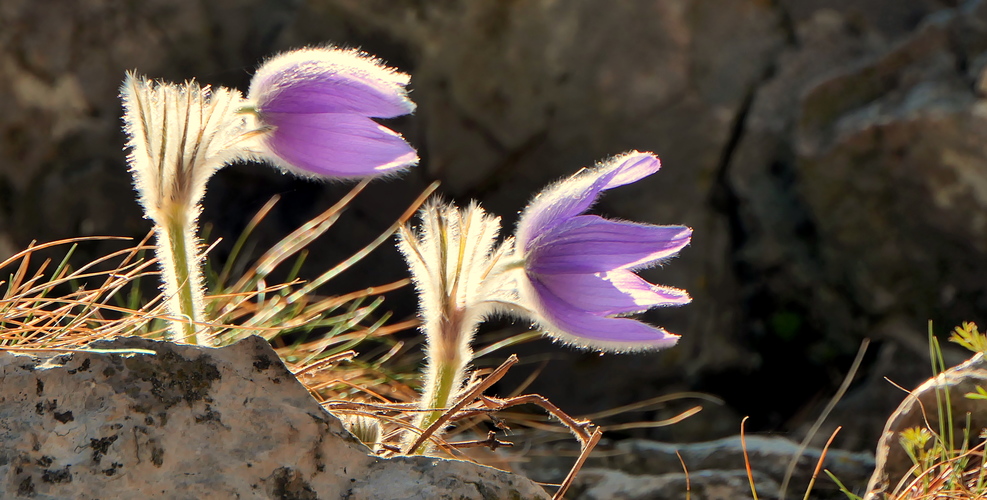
<point x="592" y="244"/>
<point x="334" y="93"/>
<point x="336" y="145"/>
<point x="616" y="292"/>
<point x="329" y="81"/>
<point x="585" y="329"/>
<point x="573" y="196"/>
<point x="631" y="167"/>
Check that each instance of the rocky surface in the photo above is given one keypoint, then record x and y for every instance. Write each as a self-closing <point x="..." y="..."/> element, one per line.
<point x="644" y="469"/>
<point x="829" y="154"/>
<point x="606" y="484"/>
<point x="190" y="422"/>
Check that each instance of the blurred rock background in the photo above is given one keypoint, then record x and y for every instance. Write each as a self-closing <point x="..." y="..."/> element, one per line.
<point x="830" y="155"/>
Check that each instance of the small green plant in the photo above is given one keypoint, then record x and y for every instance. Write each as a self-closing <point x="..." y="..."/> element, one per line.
<point x="968" y="336"/>
<point x="943" y="467"/>
<point x="944" y="464"/>
<point x="914" y="441"/>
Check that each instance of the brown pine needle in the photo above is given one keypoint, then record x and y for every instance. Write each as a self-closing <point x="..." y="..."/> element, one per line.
<point x="652" y="402"/>
<point x="747" y="460"/>
<point x="658" y="423"/>
<point x="819" y="464"/>
<point x="685" y="470"/>
<point x="324" y="362"/>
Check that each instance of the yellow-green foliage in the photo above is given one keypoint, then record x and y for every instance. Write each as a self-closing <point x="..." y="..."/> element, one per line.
<point x="969" y="337"/>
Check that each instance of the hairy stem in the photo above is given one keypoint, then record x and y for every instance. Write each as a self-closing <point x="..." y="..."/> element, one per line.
<point x="448" y="352"/>
<point x="181" y="273"/>
<point x="441" y="398"/>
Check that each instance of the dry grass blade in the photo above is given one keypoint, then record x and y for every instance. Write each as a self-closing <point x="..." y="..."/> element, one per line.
<point x="685" y="470"/>
<point x="530" y="379"/>
<point x="490" y="442"/>
<point x="640" y="405"/>
<point x="324" y="362"/>
<point x="658" y="423"/>
<point x="34" y="315"/>
<point x="224" y="275"/>
<point x="747" y="459"/>
<point x="297" y="240"/>
<point x="32" y="248"/>
<point x="272" y="311"/>
<point x="822" y="416"/>
<point x="363" y="252"/>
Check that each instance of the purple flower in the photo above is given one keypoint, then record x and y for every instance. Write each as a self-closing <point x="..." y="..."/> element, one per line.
<point x="579" y="269"/>
<point x="316" y="106"/>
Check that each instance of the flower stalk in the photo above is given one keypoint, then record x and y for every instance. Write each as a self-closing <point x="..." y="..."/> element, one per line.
<point x="446" y="373"/>
<point x="178" y="235"/>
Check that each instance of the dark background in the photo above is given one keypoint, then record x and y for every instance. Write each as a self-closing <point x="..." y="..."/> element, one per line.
<point x="828" y="154"/>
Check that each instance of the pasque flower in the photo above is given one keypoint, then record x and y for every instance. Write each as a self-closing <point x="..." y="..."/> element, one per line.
<point x="308" y="111"/>
<point x="578" y="278"/>
<point x="572" y="274"/>
<point x="317" y="107"/>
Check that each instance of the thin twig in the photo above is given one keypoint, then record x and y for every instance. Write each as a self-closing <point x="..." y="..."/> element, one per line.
<point x="578" y="428"/>
<point x="587" y="448"/>
<point x="491" y="442"/>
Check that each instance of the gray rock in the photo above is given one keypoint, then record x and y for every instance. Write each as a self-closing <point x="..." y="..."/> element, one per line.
<point x="650" y="466"/>
<point x="858" y="184"/>
<point x="193" y="422"/>
<point x="605" y="484"/>
<point x="768" y="455"/>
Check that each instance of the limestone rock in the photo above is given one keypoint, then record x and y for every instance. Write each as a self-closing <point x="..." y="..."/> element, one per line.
<point x="606" y="484"/>
<point x="193" y="422"/>
<point x="858" y="182"/>
<point x="640" y="468"/>
<point x="768" y="455"/>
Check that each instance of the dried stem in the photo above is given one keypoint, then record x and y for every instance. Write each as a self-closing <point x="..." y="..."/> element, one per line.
<point x="577" y="427"/>
<point x="587" y="448"/>
<point x="490" y="442"/>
